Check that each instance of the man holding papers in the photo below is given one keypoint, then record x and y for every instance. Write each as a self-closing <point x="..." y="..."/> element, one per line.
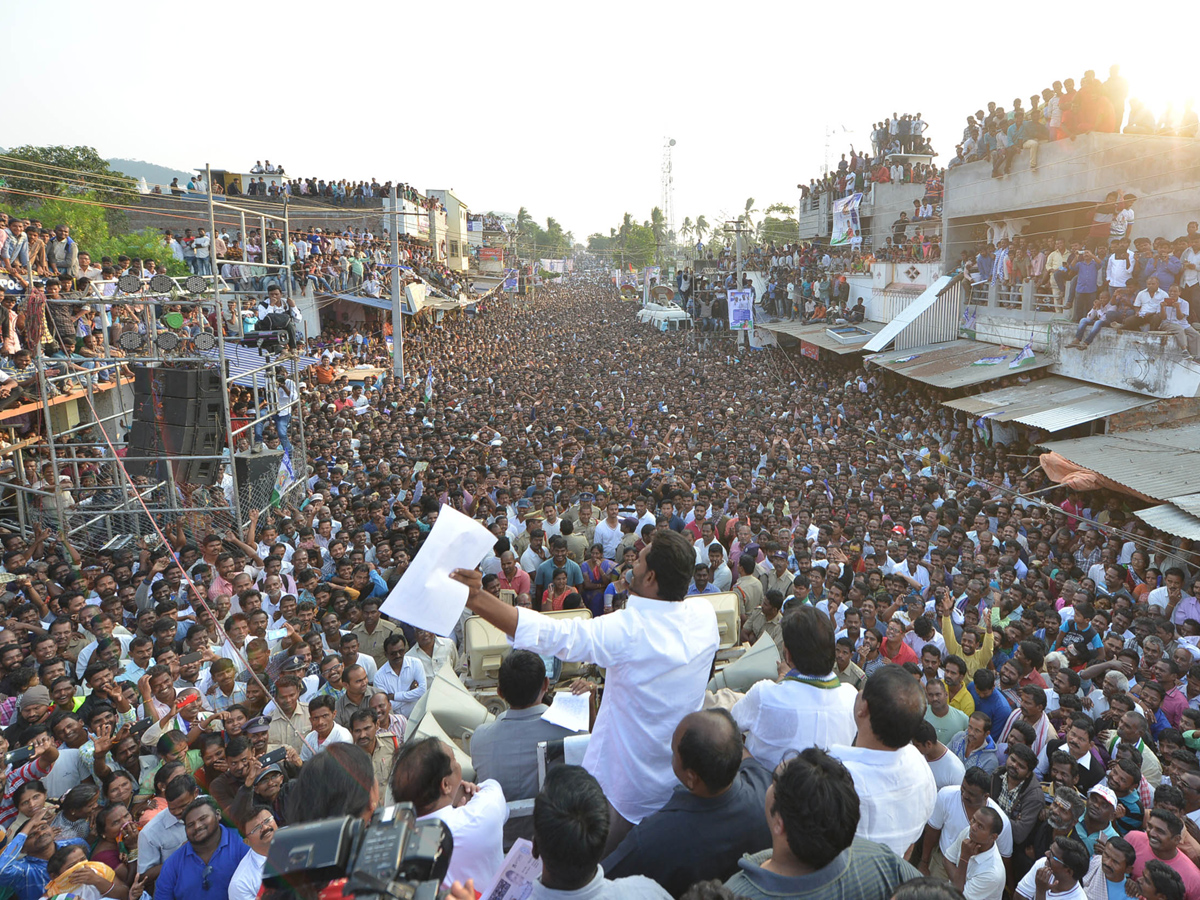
<point x="657" y="652"/>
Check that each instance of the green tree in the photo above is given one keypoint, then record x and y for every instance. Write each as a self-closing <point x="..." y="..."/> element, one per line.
<point x="60" y="171"/>
<point x="685" y="230"/>
<point x="702" y="226"/>
<point x="747" y="216"/>
<point x="781" y="231"/>
<point x="640" y="246"/>
<point x="658" y="227"/>
<point x="144" y="244"/>
<point x="524" y="219"/>
<point x="89" y="223"/>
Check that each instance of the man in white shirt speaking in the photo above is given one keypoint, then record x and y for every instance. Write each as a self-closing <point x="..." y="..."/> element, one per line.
<point x="657" y="651"/>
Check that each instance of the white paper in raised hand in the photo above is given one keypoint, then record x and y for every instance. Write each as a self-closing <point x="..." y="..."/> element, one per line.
<point x="425" y="596"/>
<point x="569" y="710"/>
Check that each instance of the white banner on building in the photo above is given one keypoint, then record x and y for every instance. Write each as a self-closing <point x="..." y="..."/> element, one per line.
<point x="741" y="310"/>
<point x="845" y="220"/>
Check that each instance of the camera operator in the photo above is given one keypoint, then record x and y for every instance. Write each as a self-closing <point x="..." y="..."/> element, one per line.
<point x="427" y="775"/>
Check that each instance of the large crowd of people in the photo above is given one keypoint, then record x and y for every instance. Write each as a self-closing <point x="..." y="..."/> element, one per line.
<point x="984" y="687"/>
<point x="269" y="182"/>
<point x="893" y="142"/>
<point x="1060" y="112"/>
<point x="1112" y="279"/>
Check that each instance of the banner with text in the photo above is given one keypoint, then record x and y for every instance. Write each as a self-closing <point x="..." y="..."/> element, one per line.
<point x="554" y="265"/>
<point x="741" y="310"/>
<point x="845" y="220"/>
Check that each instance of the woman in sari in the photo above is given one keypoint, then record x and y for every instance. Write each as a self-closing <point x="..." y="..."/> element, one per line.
<point x="596" y="577"/>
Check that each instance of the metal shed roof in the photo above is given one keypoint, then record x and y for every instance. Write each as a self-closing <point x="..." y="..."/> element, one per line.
<point x="1170" y="518"/>
<point x="1052" y="403"/>
<point x="1163" y="463"/>
<point x="815" y="334"/>
<point x="955" y="364"/>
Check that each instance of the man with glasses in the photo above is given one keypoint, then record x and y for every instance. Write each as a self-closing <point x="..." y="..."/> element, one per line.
<point x="402" y="679"/>
<point x="260" y="830"/>
<point x="205" y="865"/>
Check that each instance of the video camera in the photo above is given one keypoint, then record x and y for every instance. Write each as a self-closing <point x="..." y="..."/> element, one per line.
<point x="392" y="857"/>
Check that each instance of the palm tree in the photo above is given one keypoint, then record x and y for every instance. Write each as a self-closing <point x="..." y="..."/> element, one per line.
<point x="524" y="219"/>
<point x="746" y="218"/>
<point x="658" y="225"/>
<point x="702" y="226"/>
<point x="623" y="235"/>
<point x="685" y="230"/>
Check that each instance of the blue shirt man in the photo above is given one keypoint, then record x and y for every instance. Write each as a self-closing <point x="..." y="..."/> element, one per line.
<point x="558" y="560"/>
<point x="990" y="701"/>
<point x="26" y="875"/>
<point x="985" y="261"/>
<point x="203" y="867"/>
<point x="1086" y="273"/>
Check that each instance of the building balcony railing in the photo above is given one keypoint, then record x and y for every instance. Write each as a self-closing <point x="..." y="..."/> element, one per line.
<point x="1021" y="301"/>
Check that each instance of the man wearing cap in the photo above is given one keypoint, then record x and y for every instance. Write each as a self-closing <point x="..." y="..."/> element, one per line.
<point x="583" y="516"/>
<point x="258" y="730"/>
<point x="779" y="578"/>
<point x="1096" y="824"/>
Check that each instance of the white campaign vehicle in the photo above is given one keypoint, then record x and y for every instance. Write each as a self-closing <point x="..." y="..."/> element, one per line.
<point x="661" y="312"/>
<point x="664" y="317"/>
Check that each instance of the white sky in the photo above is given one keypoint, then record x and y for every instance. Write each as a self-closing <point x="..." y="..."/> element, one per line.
<point x="562" y="108"/>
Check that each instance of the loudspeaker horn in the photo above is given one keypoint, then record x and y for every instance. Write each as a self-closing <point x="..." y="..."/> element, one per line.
<point x="455" y="709"/>
<point x="759" y="663"/>
<point x="429" y="727"/>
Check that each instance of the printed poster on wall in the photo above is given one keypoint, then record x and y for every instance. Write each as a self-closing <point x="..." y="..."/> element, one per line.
<point x="812" y="351"/>
<point x="741" y="310"/>
<point x="845" y="220"/>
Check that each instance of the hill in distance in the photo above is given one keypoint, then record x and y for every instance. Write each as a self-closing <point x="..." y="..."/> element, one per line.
<point x="154" y="174"/>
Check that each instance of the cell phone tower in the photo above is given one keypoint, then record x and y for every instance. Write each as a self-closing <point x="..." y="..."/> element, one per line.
<point x="668" y="189"/>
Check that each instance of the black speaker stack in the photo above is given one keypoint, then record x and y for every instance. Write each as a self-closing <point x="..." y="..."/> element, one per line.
<point x="178" y="413"/>
<point x="256" y="476"/>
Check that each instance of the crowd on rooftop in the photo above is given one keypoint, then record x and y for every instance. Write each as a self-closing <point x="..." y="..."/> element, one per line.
<point x="1062" y="112"/>
<point x="892" y="141"/>
<point x="342" y="191"/>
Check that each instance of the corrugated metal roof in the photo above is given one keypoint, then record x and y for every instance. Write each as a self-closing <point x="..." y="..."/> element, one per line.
<point x="954" y="364"/>
<point x="1188" y="503"/>
<point x="1162" y="463"/>
<point x="909" y="314"/>
<point x="1170" y="518"/>
<point x="815" y="334"/>
<point x="1052" y="403"/>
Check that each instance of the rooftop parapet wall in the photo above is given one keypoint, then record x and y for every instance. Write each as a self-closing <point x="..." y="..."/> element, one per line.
<point x="1164" y="173"/>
